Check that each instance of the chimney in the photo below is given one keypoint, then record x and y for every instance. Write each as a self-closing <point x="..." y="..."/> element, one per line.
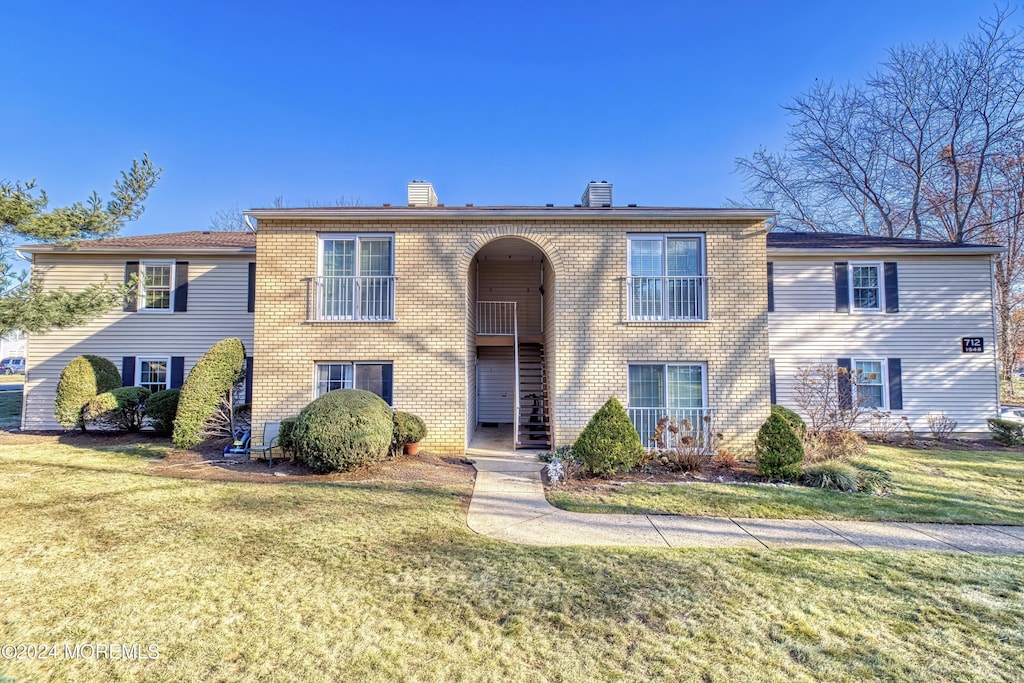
<point x="421" y="193"/>
<point x="597" y="194"/>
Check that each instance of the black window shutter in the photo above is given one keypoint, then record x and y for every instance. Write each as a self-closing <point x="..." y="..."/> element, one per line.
<point x="771" y="288"/>
<point x="842" y="278"/>
<point x="387" y="376"/>
<point x="131" y="271"/>
<point x="845" y="368"/>
<point x="177" y="371"/>
<point x="892" y="288"/>
<point x="771" y="379"/>
<point x="180" y="286"/>
<point x="248" y="379"/>
<point x="252" y="288"/>
<point x="895" y="384"/>
<point x="128" y="371"/>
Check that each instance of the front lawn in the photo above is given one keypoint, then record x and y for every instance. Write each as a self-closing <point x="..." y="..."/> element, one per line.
<point x="383" y="581"/>
<point x="968" y="487"/>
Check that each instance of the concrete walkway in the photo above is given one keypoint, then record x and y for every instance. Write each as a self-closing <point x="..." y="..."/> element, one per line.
<point x="509" y="504"/>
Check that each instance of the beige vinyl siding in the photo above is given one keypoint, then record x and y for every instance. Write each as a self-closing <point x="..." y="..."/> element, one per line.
<point x="941" y="300"/>
<point x="217" y="298"/>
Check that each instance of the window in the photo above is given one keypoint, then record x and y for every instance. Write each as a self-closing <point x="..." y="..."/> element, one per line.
<point x="153" y="373"/>
<point x="374" y="377"/>
<point x="870" y="377"/>
<point x="674" y="390"/>
<point x="155" y="285"/>
<point x="666" y="278"/>
<point x="865" y="287"/>
<point x="355" y="279"/>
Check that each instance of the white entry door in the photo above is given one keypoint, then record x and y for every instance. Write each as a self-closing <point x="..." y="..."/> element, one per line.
<point x="495" y="384"/>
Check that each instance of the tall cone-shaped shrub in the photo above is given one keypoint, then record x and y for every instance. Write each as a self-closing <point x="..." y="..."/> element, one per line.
<point x="779" y="450"/>
<point x="82" y="380"/>
<point x="207" y="383"/>
<point x="609" y="443"/>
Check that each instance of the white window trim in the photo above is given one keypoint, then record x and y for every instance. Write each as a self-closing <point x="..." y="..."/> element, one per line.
<point x="142" y="286"/>
<point x="665" y="366"/>
<point x="884" y="364"/>
<point x="881" y="287"/>
<point x="317" y="364"/>
<point x="139" y="360"/>
<point x="354" y="237"/>
<point x="703" y="270"/>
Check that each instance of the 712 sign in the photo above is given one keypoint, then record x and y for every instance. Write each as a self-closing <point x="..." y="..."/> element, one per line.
<point x="972" y="344"/>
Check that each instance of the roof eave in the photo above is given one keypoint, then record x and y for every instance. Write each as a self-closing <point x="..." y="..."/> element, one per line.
<point x="51" y="249"/>
<point x="609" y="213"/>
<point x="848" y="251"/>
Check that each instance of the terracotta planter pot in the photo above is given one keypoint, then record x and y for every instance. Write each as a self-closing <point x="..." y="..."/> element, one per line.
<point x="412" y="448"/>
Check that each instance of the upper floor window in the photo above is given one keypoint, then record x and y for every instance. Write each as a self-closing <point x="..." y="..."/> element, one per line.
<point x="156" y="285"/>
<point x="666" y="279"/>
<point x="355" y="279"/>
<point x="865" y="286"/>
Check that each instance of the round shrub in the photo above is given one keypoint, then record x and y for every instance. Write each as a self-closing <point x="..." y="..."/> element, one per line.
<point x="408" y="429"/>
<point x="120" y="409"/>
<point x="80" y="381"/>
<point x="790" y="416"/>
<point x="161" y="408"/>
<point x="206" y="385"/>
<point x="609" y="443"/>
<point x="286" y="437"/>
<point x="779" y="451"/>
<point x="344" y="429"/>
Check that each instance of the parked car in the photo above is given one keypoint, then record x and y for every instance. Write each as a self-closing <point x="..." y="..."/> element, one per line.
<point x="1012" y="414"/>
<point x="12" y="366"/>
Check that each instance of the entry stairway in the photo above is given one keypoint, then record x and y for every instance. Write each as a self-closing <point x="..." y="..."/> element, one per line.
<point x="534" y="428"/>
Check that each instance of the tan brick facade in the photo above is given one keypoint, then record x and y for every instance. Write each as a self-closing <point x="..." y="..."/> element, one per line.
<point x="589" y="346"/>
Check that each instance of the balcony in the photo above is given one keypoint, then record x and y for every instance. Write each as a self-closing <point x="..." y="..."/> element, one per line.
<point x="694" y="422"/>
<point x="667" y="298"/>
<point x="350" y="298"/>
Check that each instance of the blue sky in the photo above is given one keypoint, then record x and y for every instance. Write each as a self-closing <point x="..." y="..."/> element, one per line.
<point x="495" y="103"/>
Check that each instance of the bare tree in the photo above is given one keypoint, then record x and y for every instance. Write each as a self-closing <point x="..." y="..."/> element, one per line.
<point x="233" y="219"/>
<point x="929" y="146"/>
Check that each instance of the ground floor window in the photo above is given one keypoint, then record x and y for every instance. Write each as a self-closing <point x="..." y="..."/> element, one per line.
<point x="871" y="374"/>
<point x="677" y="391"/>
<point x="153" y="373"/>
<point x="375" y="377"/>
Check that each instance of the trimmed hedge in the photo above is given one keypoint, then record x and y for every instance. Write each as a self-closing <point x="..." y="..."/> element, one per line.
<point x="609" y="443"/>
<point x="286" y="437"/>
<point x="207" y="383"/>
<point x="80" y="381"/>
<point x="161" y="408"/>
<point x="120" y="409"/>
<point x="344" y="429"/>
<point x="408" y="429"/>
<point x="779" y="450"/>
<point x="790" y="416"/>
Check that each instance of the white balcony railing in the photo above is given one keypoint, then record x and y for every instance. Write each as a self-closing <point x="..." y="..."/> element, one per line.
<point x="350" y="298"/>
<point x="661" y="298"/>
<point x="496" y="317"/>
<point x="694" y="422"/>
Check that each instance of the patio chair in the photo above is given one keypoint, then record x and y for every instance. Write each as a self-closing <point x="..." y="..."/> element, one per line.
<point x="240" y="445"/>
<point x="271" y="434"/>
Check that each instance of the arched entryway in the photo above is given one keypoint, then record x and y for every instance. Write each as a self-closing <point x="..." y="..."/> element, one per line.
<point x="510" y="344"/>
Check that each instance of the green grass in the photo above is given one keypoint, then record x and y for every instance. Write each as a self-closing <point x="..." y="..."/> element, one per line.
<point x="969" y="487"/>
<point x="10" y="409"/>
<point x="12" y="379"/>
<point x="372" y="582"/>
